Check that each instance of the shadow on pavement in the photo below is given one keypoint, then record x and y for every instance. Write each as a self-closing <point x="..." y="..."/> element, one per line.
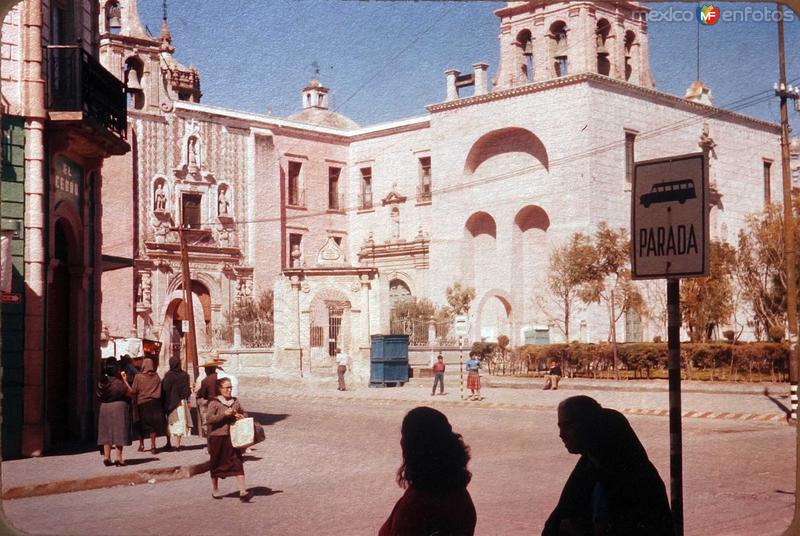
<point x="137" y="461"/>
<point x="199" y="446"/>
<point x="256" y="491"/>
<point x="781" y="405"/>
<point x="267" y="419"/>
<point x="263" y="491"/>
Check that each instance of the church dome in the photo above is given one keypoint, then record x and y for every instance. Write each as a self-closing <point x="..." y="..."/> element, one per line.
<point x="322" y="117"/>
<point x="315" y="109"/>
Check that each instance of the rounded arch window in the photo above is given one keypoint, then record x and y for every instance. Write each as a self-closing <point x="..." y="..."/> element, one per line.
<point x="134" y="71"/>
<point x="113" y="17"/>
<point x="601" y="35"/>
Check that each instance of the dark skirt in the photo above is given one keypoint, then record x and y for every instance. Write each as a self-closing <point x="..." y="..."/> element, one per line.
<point x="151" y="415"/>
<point x="225" y="460"/>
<point x="113" y="424"/>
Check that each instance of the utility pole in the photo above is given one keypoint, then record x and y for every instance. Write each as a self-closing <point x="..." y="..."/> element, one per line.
<point x="785" y="93"/>
<point x="191" y="340"/>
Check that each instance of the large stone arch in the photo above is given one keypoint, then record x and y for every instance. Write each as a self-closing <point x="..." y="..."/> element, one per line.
<point x="172" y="313"/>
<point x="493" y="301"/>
<point x="505" y="140"/>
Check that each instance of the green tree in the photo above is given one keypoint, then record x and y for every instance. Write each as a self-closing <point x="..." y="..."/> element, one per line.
<point x="760" y="268"/>
<point x="568" y="269"/>
<point x="608" y="278"/>
<point x="707" y="302"/>
<point x="414" y="309"/>
<point x="460" y="298"/>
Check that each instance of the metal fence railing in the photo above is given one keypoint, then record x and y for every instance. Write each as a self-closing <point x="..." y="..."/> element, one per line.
<point x="425" y="332"/>
<point x="254" y="334"/>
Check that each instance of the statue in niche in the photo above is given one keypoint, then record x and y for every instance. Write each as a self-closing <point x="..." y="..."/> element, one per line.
<point x="296" y="256"/>
<point x="140" y="290"/>
<point x="223" y="205"/>
<point x="146" y="289"/>
<point x="192" y="155"/>
<point x="160" y="198"/>
<point x="396" y="222"/>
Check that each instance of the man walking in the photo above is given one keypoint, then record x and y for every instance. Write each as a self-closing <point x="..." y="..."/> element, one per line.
<point x="341" y="367"/>
<point x="438" y="375"/>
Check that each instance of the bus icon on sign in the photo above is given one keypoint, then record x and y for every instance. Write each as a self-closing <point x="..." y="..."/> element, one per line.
<point x="664" y="192"/>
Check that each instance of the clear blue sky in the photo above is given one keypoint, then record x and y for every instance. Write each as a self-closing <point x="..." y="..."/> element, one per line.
<point x="386" y="60"/>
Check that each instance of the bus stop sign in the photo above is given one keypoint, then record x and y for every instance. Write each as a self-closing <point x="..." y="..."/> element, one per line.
<point x="669" y="218"/>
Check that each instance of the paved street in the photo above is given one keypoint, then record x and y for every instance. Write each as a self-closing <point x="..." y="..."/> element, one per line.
<point x="328" y="465"/>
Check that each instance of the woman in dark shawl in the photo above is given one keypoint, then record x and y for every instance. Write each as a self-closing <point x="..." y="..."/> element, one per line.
<point x="175" y="393"/>
<point x="147" y="390"/>
<point x="113" y="421"/>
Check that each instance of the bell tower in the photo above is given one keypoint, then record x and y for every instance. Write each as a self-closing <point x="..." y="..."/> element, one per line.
<point x="542" y="41"/>
<point x="143" y="62"/>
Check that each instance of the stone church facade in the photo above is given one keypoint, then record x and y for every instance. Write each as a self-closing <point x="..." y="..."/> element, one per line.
<point x="336" y="218"/>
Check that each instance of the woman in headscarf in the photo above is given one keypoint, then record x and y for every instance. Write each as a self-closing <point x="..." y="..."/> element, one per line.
<point x="175" y="393"/>
<point x="147" y="391"/>
<point x="113" y="422"/>
<point x="226" y="460"/>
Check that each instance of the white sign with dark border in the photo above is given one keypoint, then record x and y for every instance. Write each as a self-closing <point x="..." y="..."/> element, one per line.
<point x="461" y="325"/>
<point x="669" y="218"/>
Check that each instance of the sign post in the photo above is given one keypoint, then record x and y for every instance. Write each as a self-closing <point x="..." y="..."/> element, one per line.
<point x="669" y="240"/>
<point x="461" y="329"/>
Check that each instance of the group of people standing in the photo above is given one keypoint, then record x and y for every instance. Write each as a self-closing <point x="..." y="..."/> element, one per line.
<point x="138" y="404"/>
<point x="614" y="489"/>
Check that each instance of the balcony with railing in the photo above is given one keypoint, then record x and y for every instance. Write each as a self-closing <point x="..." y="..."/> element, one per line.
<point x="80" y="90"/>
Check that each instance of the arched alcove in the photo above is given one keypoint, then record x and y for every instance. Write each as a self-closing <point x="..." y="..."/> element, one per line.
<point x="529" y="254"/>
<point x="479" y="243"/>
<point x="505" y="140"/>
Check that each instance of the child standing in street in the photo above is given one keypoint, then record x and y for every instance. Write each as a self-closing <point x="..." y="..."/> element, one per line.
<point x="473" y="366"/>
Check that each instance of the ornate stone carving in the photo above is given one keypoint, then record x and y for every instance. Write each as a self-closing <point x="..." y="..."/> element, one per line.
<point x="144" y="290"/>
<point x="330" y="254"/>
<point x="296" y="256"/>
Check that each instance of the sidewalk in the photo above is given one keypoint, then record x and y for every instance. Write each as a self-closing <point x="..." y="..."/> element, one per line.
<point x="85" y="470"/>
<point x="64" y="473"/>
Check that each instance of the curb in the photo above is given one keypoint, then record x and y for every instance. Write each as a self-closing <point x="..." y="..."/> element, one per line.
<point x="164" y="474"/>
<point x="749" y="417"/>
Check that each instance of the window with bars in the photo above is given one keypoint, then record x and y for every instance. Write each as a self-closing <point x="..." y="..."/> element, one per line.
<point x="294" y="184"/>
<point x="366" y="188"/>
<point x="424" y="188"/>
<point x="630" y="140"/>
<point x="767" y="182"/>
<point x="333" y="188"/>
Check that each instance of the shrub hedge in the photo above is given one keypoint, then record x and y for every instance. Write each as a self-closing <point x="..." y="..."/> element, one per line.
<point x="717" y="360"/>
